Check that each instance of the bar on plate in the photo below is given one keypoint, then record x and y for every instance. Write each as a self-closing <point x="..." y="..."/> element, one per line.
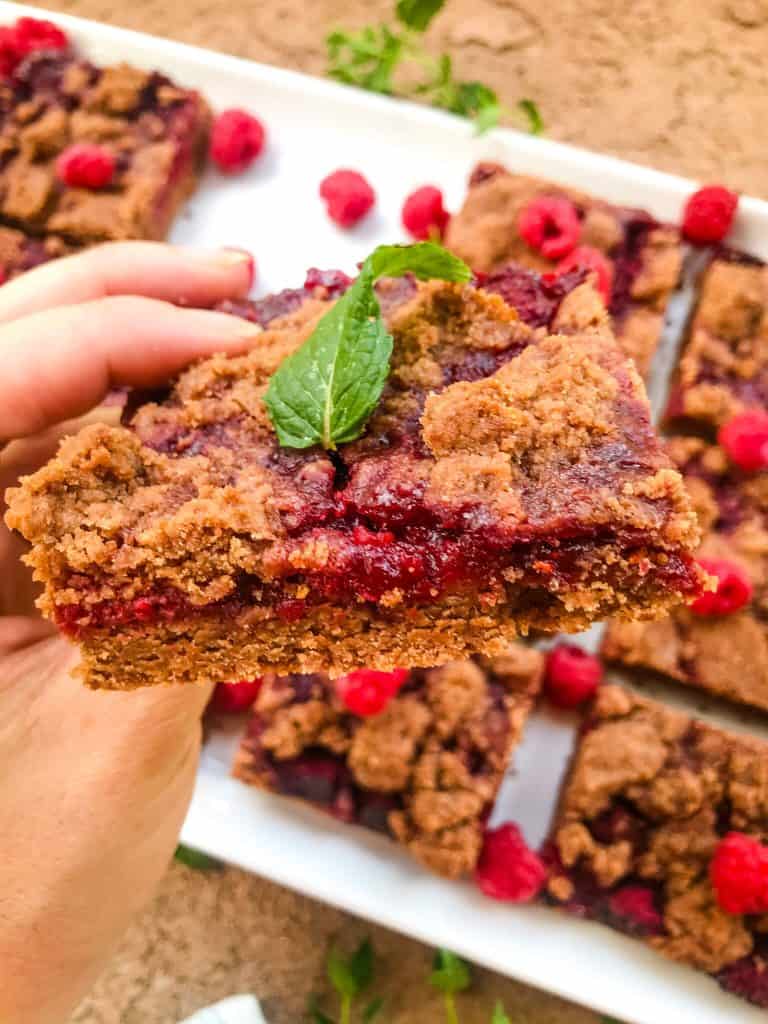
<point x="660" y="834"/>
<point x="720" y="643"/>
<point x="641" y="257"/>
<point x="425" y="769"/>
<point x="509" y="479"/>
<point x="724" y="366"/>
<point x="154" y="132"/>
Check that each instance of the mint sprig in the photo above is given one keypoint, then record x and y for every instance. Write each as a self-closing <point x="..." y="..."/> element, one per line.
<point x="324" y="393"/>
<point x="450" y="974"/>
<point x="370" y="58"/>
<point x="499" y="1016"/>
<point x="350" y="976"/>
<point x="196" y="859"/>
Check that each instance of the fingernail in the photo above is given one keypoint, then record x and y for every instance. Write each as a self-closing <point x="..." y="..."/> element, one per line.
<point x="233" y="256"/>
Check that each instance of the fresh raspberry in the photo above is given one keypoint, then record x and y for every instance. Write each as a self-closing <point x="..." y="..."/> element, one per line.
<point x="232" y="698"/>
<point x="424" y="215"/>
<point x="9" y="52"/>
<point x="550" y="225"/>
<point x="745" y="439"/>
<point x="348" y="197"/>
<point x="237" y="139"/>
<point x="739" y="874"/>
<point x="508" y="869"/>
<point x="572" y="676"/>
<point x="38" y="34"/>
<point x="366" y="692"/>
<point x="708" y="214"/>
<point x="635" y="907"/>
<point x="734" y="588"/>
<point x="589" y="258"/>
<point x="85" y="165"/>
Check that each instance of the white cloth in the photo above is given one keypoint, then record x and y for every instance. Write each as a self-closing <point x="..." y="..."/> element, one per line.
<point x="235" y="1010"/>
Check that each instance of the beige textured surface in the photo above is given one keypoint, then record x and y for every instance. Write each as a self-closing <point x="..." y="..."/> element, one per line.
<point x="680" y="85"/>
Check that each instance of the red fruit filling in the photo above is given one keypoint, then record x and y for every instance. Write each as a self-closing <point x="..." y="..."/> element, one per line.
<point x="572" y="676"/>
<point x="367" y="692"/>
<point x="232" y="698"/>
<point x="237" y="139"/>
<point x="708" y="214"/>
<point x="508" y="869"/>
<point x="590" y="259"/>
<point x="745" y="440"/>
<point x="635" y="908"/>
<point x="748" y="977"/>
<point x="348" y="197"/>
<point x="424" y="215"/>
<point x="550" y="225"/>
<point x="86" y="165"/>
<point x="739" y="874"/>
<point x="734" y="588"/>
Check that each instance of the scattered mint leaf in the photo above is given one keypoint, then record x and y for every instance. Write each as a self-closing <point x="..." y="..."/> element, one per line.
<point x="316" y="1014"/>
<point x="325" y="392"/>
<point x="352" y="975"/>
<point x="372" y="1010"/>
<point x="361" y="965"/>
<point x="196" y="859"/>
<point x="533" y="116"/>
<point x="417" y="14"/>
<point x="340" y="975"/>
<point x="499" y="1016"/>
<point x="450" y="974"/>
<point x="366" y="59"/>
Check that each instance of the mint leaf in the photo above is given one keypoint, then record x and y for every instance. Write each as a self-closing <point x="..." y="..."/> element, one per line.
<point x="417" y="14"/>
<point x="499" y="1016"/>
<point x="196" y="859"/>
<point x="425" y="260"/>
<point x="531" y="112"/>
<point x="361" y="965"/>
<point x="325" y="392"/>
<point x="366" y="59"/>
<point x="316" y="1014"/>
<point x="450" y="973"/>
<point x="372" y="1010"/>
<point x="340" y="975"/>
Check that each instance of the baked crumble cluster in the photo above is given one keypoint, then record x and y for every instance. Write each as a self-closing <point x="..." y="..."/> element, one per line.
<point x="425" y="770"/>
<point x="508" y="480"/>
<point x="660" y="834"/>
<point x="512" y="217"/>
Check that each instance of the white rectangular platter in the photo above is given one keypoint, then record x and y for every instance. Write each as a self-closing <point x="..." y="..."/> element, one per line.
<point x="314" y="127"/>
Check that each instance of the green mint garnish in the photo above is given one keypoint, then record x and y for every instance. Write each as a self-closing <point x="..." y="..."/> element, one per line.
<point x="531" y="112"/>
<point x="450" y="974"/>
<point x="196" y="859"/>
<point x="325" y="392"/>
<point x="499" y="1016"/>
<point x="370" y="58"/>
<point x="417" y="14"/>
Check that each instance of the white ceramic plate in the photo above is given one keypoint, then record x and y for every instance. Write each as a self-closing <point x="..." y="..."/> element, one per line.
<point x="315" y="127"/>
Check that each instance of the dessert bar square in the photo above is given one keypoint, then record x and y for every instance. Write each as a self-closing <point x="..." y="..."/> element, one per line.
<point x="724" y="366"/>
<point x="156" y="132"/>
<point x="726" y="654"/>
<point x="650" y="796"/>
<point x="644" y="256"/>
<point x="425" y="770"/>
<point x="508" y="479"/>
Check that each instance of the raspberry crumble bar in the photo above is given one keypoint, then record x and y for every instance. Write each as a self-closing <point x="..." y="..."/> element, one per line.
<point x="425" y="770"/>
<point x="653" y="818"/>
<point x="546" y="226"/>
<point x="724" y="367"/>
<point x="721" y="648"/>
<point x="509" y="479"/>
<point x="153" y="134"/>
<point x="20" y="252"/>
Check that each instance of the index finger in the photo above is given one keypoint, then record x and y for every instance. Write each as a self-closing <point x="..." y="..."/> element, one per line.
<point x="191" y="277"/>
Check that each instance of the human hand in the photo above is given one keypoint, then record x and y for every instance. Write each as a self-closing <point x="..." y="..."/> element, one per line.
<point x="93" y="785"/>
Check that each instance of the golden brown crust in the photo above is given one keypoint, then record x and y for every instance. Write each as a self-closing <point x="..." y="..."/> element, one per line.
<point x="437" y="753"/>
